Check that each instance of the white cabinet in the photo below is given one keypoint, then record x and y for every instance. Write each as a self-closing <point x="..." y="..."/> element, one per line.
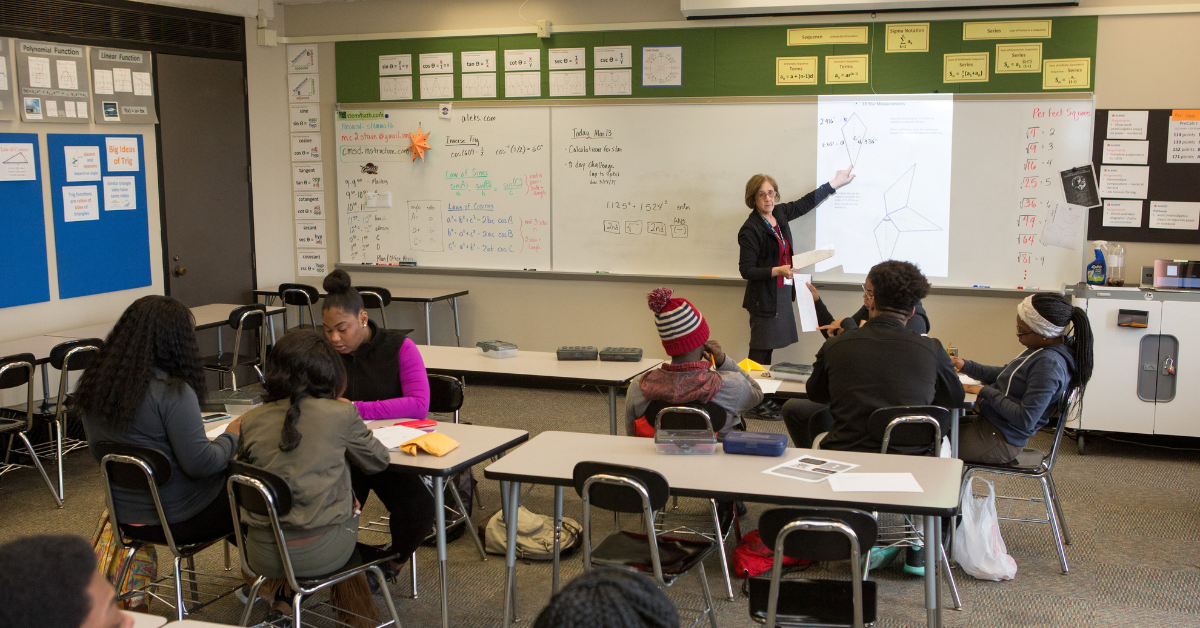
<point x="1181" y="415"/>
<point x="1110" y="402"/>
<point x="1146" y="380"/>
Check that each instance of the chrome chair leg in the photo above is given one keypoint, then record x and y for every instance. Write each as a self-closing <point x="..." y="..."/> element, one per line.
<point x="250" y="597"/>
<point x="62" y="492"/>
<point x="296" y="600"/>
<point x="38" y="463"/>
<point x="228" y="564"/>
<point x="1062" y="519"/>
<point x="192" y="585"/>
<point x="720" y="541"/>
<point x="467" y="521"/>
<point x="1053" y="517"/>
<point x="412" y="563"/>
<point x="708" y="601"/>
<point x="387" y="598"/>
<point x="179" y="609"/>
<point x="945" y="560"/>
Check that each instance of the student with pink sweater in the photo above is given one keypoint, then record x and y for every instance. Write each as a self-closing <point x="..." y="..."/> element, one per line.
<point x="385" y="379"/>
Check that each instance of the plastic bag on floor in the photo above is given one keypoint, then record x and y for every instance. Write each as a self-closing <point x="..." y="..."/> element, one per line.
<point x="978" y="546"/>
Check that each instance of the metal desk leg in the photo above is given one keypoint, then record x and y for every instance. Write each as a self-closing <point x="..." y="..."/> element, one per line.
<point x="558" y="503"/>
<point x="439" y="497"/>
<point x="932" y="593"/>
<point x="612" y="410"/>
<point x="428" y="330"/>
<point x="45" y="384"/>
<point x="510" y="556"/>
<point x="457" y="331"/>
<point x="955" y="419"/>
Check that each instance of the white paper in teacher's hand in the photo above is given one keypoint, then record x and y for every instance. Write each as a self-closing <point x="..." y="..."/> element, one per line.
<point x="810" y="468"/>
<point x="875" y="483"/>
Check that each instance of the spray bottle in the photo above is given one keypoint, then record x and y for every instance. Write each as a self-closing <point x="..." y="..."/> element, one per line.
<point x="1096" y="270"/>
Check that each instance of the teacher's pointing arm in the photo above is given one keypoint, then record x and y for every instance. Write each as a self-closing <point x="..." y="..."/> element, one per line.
<point x="806" y="203"/>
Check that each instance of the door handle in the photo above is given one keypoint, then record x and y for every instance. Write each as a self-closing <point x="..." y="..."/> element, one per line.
<point x="180" y="271"/>
<point x="1168" y="366"/>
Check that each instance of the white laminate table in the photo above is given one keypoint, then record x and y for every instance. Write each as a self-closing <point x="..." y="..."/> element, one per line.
<point x="550" y="458"/>
<point x="207" y="317"/>
<point x="538" y="365"/>
<point x="425" y="297"/>
<point x="143" y="620"/>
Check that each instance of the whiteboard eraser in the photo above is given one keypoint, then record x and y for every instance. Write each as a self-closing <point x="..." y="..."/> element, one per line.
<point x="379" y="199"/>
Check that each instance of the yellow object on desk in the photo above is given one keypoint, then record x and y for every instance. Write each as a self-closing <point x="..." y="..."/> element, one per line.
<point x="432" y="443"/>
<point x="750" y="366"/>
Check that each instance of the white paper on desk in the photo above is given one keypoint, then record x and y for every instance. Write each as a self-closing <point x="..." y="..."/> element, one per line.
<point x="768" y="386"/>
<point x="810" y="468"/>
<point x="808" y="308"/>
<point x="395" y="436"/>
<point x="967" y="379"/>
<point x="875" y="483"/>
<point x="216" y="431"/>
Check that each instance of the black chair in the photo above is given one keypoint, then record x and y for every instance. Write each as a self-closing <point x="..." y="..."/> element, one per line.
<point x="695" y="416"/>
<point x="67" y="357"/>
<point x="302" y="296"/>
<point x="816" y="534"/>
<point x="376" y="298"/>
<point x="265" y="494"/>
<point x="1037" y="465"/>
<point x="244" y="319"/>
<point x="145" y="469"/>
<point x="912" y="431"/>
<point x="15" y="371"/>
<point x="621" y="488"/>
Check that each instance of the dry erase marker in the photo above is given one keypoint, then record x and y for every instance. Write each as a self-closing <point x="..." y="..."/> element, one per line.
<point x="979" y="286"/>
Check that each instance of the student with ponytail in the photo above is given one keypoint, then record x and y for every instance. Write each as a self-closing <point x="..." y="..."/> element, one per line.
<point x="305" y="434"/>
<point x="385" y="379"/>
<point x="1018" y="398"/>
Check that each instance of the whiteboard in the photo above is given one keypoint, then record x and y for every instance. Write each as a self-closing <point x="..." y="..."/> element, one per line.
<point x="657" y="189"/>
<point x="479" y="199"/>
<point x="688" y="163"/>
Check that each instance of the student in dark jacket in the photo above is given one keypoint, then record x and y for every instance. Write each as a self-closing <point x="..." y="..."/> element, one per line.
<point x="144" y="388"/>
<point x="877" y="365"/>
<point x="1019" y="397"/>
<point x="765" y="260"/>
<point x="919" y="322"/>
<point x="386" y="379"/>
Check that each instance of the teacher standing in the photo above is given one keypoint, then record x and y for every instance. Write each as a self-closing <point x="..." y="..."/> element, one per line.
<point x="765" y="260"/>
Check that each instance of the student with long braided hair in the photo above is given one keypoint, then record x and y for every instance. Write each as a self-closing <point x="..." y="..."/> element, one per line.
<point x="305" y="434"/>
<point x="144" y="388"/>
<point x="1019" y="397"/>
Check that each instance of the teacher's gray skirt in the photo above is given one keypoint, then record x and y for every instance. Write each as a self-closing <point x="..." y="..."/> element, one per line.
<point x="780" y="331"/>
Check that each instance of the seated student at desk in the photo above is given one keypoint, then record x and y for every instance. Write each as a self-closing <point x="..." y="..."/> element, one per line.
<point x="1019" y="398"/>
<point x="689" y="378"/>
<point x="144" y="388"/>
<point x="918" y="322"/>
<point x="386" y="379"/>
<point x="312" y="439"/>
<point x="878" y="365"/>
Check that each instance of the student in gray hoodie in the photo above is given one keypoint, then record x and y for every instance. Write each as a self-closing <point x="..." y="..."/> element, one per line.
<point x="1018" y="398"/>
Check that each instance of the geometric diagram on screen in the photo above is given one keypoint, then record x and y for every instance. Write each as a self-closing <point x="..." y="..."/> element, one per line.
<point x="898" y="216"/>
<point x="854" y="135"/>
<point x="18" y="158"/>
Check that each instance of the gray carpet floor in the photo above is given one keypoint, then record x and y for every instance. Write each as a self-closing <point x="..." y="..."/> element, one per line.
<point x="1131" y="510"/>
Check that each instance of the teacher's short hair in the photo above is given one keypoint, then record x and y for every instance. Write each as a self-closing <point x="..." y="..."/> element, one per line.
<point x="754" y="184"/>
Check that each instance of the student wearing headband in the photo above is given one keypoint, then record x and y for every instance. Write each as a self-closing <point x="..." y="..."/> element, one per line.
<point x="1018" y="398"/>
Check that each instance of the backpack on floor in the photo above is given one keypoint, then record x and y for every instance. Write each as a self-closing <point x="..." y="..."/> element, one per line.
<point x="752" y="557"/>
<point x="535" y="536"/>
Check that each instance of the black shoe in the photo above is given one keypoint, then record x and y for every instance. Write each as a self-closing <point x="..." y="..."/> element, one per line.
<point x="277" y="618"/>
<point x="768" y="410"/>
<point x="373" y="582"/>
<point x="741" y="508"/>
<point x="725" y="516"/>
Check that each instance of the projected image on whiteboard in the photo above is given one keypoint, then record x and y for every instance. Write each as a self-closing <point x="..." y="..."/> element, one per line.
<point x="899" y="205"/>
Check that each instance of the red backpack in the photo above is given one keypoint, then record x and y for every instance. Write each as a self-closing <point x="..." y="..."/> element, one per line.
<point x="752" y="557"/>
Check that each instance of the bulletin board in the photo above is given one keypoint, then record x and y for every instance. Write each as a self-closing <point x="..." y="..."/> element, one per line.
<point x="102" y="243"/>
<point x="1168" y="181"/>
<point x="22" y="223"/>
<point x="743" y="61"/>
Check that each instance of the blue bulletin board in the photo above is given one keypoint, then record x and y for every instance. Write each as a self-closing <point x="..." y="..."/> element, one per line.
<point x="101" y="229"/>
<point x="22" y="222"/>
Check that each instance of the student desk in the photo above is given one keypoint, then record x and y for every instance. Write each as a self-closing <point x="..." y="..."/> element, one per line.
<point x="142" y="620"/>
<point x="550" y="458"/>
<point x="538" y="365"/>
<point x="475" y="444"/>
<point x="207" y="317"/>
<point x="426" y="297"/>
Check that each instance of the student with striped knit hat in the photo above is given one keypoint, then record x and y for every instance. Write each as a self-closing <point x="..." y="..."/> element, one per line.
<point x="699" y="372"/>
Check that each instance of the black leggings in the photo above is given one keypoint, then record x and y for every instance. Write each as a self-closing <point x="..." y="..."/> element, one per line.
<point x="762" y="356"/>
<point x="409" y="503"/>
<point x="214" y="522"/>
